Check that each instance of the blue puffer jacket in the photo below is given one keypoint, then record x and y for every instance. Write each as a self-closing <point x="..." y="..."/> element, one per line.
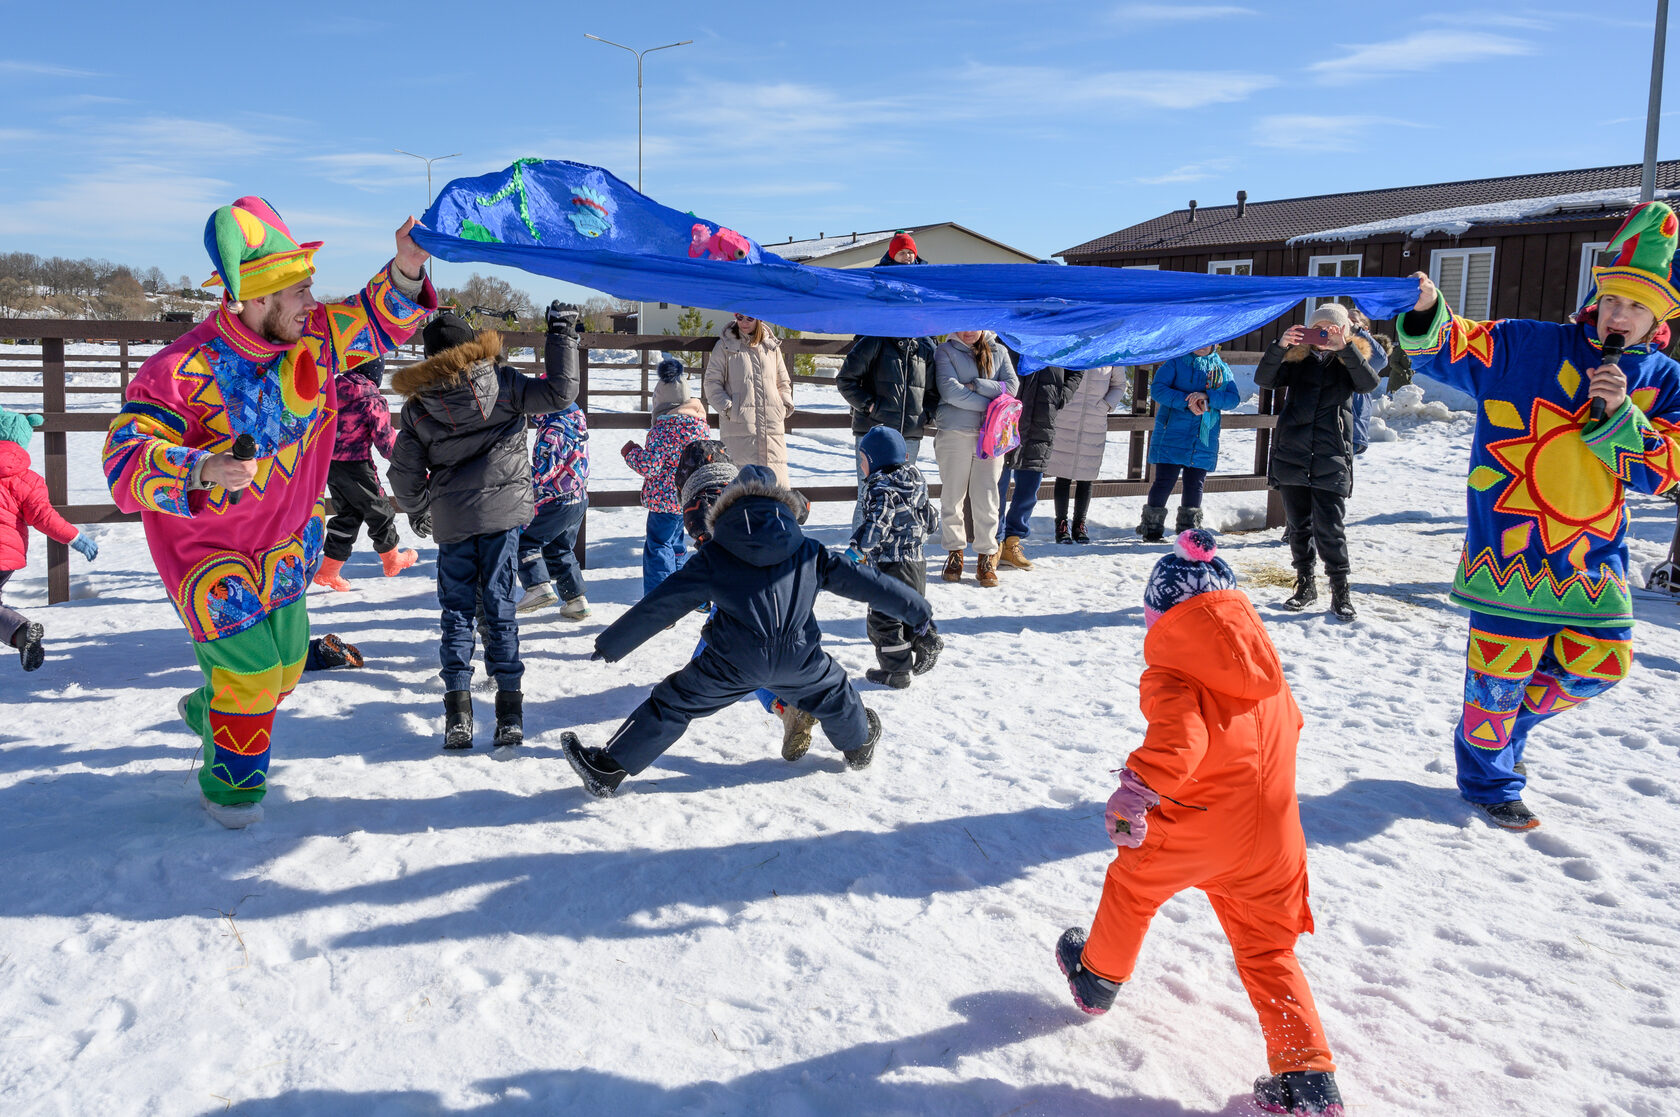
<point x="763" y="574"/>
<point x="1183" y="438"/>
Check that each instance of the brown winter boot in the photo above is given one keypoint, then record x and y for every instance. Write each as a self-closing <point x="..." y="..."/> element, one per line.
<point x="953" y="567"/>
<point x="986" y="574"/>
<point x="1012" y="555"/>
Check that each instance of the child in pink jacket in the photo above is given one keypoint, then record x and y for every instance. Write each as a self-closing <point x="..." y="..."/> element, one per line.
<point x="678" y="419"/>
<point x="24" y="505"/>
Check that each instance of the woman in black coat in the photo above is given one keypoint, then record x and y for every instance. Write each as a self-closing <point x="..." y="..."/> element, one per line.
<point x="1043" y="395"/>
<point x="1321" y="366"/>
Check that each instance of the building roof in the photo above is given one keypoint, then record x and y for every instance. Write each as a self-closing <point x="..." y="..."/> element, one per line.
<point x="811" y="251"/>
<point x="1278" y="221"/>
<point x="1458" y="220"/>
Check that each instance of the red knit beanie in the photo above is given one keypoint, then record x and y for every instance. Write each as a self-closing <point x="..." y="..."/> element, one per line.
<point x="901" y="242"/>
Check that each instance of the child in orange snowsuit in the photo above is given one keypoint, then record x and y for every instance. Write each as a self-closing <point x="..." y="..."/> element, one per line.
<point x="1208" y="801"/>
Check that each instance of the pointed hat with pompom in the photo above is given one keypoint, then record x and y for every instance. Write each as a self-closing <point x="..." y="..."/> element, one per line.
<point x="1643" y="268"/>
<point x="253" y="252"/>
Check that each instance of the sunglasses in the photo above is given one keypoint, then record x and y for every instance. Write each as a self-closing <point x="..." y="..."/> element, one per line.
<point x="745" y="318"/>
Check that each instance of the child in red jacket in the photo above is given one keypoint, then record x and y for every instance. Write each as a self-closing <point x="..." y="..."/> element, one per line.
<point x="678" y="419"/>
<point x="1208" y="801"/>
<point x="24" y="505"/>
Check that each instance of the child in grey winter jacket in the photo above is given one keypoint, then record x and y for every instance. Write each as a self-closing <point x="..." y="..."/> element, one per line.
<point x="897" y="518"/>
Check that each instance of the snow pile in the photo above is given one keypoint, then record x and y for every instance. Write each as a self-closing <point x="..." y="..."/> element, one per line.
<point x="1412" y="403"/>
<point x="1455" y="221"/>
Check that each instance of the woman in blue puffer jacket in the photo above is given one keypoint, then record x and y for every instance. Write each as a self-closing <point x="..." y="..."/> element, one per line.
<point x="1189" y="393"/>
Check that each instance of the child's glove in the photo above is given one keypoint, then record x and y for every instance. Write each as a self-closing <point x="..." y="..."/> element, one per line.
<point x="421" y="525"/>
<point x="627" y="447"/>
<point x="87" y="547"/>
<point x="856" y="556"/>
<point x="1128" y="807"/>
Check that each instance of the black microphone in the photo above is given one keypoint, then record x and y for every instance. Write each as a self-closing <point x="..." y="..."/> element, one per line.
<point x="1611" y="355"/>
<point x="244" y="449"/>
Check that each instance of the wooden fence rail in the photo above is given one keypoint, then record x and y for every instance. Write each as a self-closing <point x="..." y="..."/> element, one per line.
<point x="54" y="367"/>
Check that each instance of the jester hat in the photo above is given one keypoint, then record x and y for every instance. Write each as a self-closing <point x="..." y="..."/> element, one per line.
<point x="253" y="252"/>
<point x="1643" y="268"/>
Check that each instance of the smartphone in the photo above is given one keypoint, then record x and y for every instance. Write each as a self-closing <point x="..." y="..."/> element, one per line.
<point x="1315" y="335"/>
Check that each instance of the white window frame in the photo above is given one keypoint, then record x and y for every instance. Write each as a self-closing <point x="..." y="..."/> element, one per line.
<point x="1589" y="257"/>
<point x="1226" y="267"/>
<point x="1459" y="304"/>
<point x="1141" y="267"/>
<point x="1338" y="260"/>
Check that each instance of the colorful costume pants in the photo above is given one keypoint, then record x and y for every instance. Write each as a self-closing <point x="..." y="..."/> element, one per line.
<point x="1520" y="673"/>
<point x="246" y="677"/>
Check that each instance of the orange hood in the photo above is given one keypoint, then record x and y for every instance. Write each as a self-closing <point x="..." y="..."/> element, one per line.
<point x="1218" y="640"/>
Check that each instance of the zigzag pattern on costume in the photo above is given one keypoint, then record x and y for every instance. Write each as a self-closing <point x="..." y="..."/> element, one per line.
<point x="1543" y="675"/>
<point x="1484" y="581"/>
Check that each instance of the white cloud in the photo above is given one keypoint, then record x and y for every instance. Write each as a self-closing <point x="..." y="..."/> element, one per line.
<point x="43" y="70"/>
<point x="1189" y="172"/>
<point x="1178" y="13"/>
<point x="1315" y="134"/>
<point x="129" y="202"/>
<point x="1424" y="50"/>
<point x="1040" y="89"/>
<point x="1489" y="19"/>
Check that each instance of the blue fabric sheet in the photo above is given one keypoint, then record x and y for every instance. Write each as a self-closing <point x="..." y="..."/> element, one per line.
<point x="583" y="225"/>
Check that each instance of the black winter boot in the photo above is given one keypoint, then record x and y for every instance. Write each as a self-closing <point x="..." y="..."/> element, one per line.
<point x="600" y="773"/>
<point x="1153" y="527"/>
<point x="457" y="720"/>
<point x="1063" y="535"/>
<point x="864" y="753"/>
<point x="1093" y="994"/>
<point x="1079" y="535"/>
<point x="924" y="652"/>
<point x="27" y="641"/>
<point x="510" y="719"/>
<point x="1188" y="519"/>
<point x="1341" y="598"/>
<point x="1300" y="1093"/>
<point x="1306" y="591"/>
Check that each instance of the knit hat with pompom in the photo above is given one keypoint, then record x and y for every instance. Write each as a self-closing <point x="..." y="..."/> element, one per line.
<point x="1193" y="568"/>
<point x="672" y="390"/>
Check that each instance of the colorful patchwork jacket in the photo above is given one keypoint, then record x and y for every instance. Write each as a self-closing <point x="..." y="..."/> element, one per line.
<point x="897" y="516"/>
<point x="364" y="420"/>
<point x="657" y="461"/>
<point x="1546" y="512"/>
<point x="227" y="565"/>
<point x="560" y="461"/>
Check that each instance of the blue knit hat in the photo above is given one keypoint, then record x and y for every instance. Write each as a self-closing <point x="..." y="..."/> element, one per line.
<point x="1193" y="568"/>
<point x="17" y="427"/>
<point x="883" y="446"/>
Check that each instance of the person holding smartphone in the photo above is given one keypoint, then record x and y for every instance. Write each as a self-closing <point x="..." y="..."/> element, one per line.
<point x="1320" y="366"/>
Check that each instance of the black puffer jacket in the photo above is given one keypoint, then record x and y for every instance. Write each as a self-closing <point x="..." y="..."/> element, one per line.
<point x="887" y="381"/>
<point x="764" y="575"/>
<point x="461" y="453"/>
<point x="1043" y="394"/>
<point x="1313" y="442"/>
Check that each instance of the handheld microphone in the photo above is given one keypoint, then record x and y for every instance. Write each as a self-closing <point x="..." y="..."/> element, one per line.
<point x="245" y="448"/>
<point x="1611" y="355"/>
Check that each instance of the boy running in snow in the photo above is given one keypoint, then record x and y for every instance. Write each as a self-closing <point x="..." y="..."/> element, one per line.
<point x="548" y="564"/>
<point x="364" y="422"/>
<point x="763" y="574"/>
<point x="678" y="419"/>
<point x="461" y="461"/>
<point x="24" y="505"/>
<point x="1223" y="727"/>
<point x="897" y="518"/>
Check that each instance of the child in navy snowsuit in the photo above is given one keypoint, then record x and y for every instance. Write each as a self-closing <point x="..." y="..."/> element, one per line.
<point x="548" y="564"/>
<point x="678" y="419"/>
<point x="764" y="576"/>
<point x="896" y="519"/>
<point x="460" y="461"/>
<point x="364" y="425"/>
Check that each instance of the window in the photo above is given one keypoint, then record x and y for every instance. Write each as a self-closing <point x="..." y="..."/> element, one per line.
<point x="1465" y="277"/>
<point x="1331" y="266"/>
<point x="664" y="306"/>
<point x="1141" y="267"/>
<point x="1231" y="267"/>
<point x="1589" y="257"/>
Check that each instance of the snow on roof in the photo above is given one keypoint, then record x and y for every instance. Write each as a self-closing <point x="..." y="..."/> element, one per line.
<point x="825" y="246"/>
<point x="1457" y="220"/>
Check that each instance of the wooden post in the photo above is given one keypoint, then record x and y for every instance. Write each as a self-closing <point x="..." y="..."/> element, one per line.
<point x="645" y="395"/>
<point x="57" y="466"/>
<point x="122" y="347"/>
<point x="579" y="548"/>
<point x="1263" y="460"/>
<point x="1136" y="465"/>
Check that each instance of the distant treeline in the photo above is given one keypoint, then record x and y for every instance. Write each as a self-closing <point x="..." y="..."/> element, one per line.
<point x="34" y="286"/>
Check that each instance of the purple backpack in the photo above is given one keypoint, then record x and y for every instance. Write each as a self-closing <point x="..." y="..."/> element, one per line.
<point x="1000" y="430"/>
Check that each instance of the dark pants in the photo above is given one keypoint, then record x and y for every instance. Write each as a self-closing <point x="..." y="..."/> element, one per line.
<point x="1166" y="476"/>
<point x="709" y="682"/>
<point x="1081" y="491"/>
<point x="479" y="576"/>
<point x="547" y="549"/>
<point x="1017" y="512"/>
<point x="1315" y="516"/>
<point x="10" y="619"/>
<point x="663" y="550"/>
<point x="893" y="639"/>
<point x="357" y="500"/>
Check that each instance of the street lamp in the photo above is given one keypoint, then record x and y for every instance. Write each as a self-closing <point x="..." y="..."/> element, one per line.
<point x="638" y="54"/>
<point x="1653" y="111"/>
<point x="428" y="162"/>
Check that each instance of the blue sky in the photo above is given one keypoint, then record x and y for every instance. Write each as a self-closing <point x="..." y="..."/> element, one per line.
<point x="1039" y="124"/>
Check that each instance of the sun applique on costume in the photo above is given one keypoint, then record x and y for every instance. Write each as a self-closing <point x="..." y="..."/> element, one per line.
<point x="1556" y="480"/>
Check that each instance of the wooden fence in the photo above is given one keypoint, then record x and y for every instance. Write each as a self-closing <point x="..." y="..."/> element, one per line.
<point x="54" y="365"/>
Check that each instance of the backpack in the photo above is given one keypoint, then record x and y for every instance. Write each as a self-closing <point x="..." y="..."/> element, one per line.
<point x="1000" y="430"/>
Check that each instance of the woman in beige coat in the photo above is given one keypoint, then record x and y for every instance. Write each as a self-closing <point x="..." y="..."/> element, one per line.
<point x="747" y="384"/>
<point x="1076" y="455"/>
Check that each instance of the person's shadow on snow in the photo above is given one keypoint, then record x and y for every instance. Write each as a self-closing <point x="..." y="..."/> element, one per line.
<point x="1363" y="808"/>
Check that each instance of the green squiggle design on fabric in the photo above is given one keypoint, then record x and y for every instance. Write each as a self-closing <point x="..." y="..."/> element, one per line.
<point x="516" y="185"/>
<point x="472" y="230"/>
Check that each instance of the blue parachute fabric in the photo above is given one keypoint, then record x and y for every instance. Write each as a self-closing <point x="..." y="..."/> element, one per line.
<point x="581" y="224"/>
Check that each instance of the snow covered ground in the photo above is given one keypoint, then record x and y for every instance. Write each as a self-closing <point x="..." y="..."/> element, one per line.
<point x="413" y="933"/>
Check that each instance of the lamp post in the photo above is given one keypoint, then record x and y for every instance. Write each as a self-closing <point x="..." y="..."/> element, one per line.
<point x="1653" y="112"/>
<point x="428" y="162"/>
<point x="638" y="54"/>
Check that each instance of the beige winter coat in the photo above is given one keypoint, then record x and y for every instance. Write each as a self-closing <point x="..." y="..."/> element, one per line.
<point x="749" y="387"/>
<point x="1082" y="426"/>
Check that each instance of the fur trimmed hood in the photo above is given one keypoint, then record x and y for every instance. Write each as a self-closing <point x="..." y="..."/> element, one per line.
<point x="1300" y="352"/>
<point x="743" y="524"/>
<point x="450" y="367"/>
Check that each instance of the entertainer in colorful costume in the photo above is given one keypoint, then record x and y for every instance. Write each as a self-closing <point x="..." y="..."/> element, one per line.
<point x="237" y="541"/>
<point x="1544" y="569"/>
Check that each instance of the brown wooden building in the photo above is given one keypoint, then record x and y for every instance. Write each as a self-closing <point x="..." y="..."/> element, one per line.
<point x="1515" y="247"/>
